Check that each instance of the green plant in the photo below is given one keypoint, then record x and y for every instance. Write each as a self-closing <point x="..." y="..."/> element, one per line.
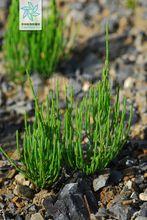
<point x="38" y="51"/>
<point x="86" y="137"/>
<point x="97" y="130"/>
<point x="131" y="4"/>
<point x="41" y="154"/>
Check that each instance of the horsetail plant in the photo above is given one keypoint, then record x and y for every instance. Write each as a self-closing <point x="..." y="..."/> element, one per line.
<point x="41" y="152"/>
<point x="85" y="137"/>
<point x="37" y="51"/>
<point x="98" y="130"/>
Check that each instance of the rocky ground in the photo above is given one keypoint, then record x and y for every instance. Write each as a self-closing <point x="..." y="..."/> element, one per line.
<point x="120" y="191"/>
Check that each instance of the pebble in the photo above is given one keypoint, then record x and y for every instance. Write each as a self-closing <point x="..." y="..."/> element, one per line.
<point x="127" y="202"/>
<point x="143" y="196"/>
<point x="37" y="216"/>
<point x="129" y="184"/>
<point x="20" y="179"/>
<point x="100" y="182"/>
<point x="143" y="210"/>
<point x="76" y="86"/>
<point x="24" y="191"/>
<point x="129" y="83"/>
<point x="115" y="177"/>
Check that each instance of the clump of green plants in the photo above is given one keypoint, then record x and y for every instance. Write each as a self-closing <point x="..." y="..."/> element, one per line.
<point x="41" y="154"/>
<point x="98" y="129"/>
<point x="85" y="137"/>
<point x="37" y="51"/>
<point x="131" y="4"/>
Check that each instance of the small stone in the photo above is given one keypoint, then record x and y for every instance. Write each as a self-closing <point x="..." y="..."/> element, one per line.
<point x="18" y="217"/>
<point x="121" y="212"/>
<point x="100" y="182"/>
<point x="36" y="216"/>
<point x="141" y="218"/>
<point x="32" y="208"/>
<point x="129" y="184"/>
<point x="129" y="163"/>
<point x="143" y="196"/>
<point x="76" y="86"/>
<point x="129" y="83"/>
<point x="143" y="210"/>
<point x="134" y="196"/>
<point x="86" y="86"/>
<point x="93" y="217"/>
<point x="11" y="174"/>
<point x="102" y="212"/>
<point x="20" y="179"/>
<point x="24" y="191"/>
<point x="143" y="166"/>
<point x="127" y="202"/>
<point x="139" y="180"/>
<point x="69" y="188"/>
<point x="115" y="177"/>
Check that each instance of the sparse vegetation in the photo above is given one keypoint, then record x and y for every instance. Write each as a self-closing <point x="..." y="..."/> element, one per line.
<point x="90" y="135"/>
<point x="98" y="130"/>
<point x="131" y="4"/>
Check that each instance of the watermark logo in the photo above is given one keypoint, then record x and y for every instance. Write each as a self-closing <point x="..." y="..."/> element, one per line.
<point x="30" y="14"/>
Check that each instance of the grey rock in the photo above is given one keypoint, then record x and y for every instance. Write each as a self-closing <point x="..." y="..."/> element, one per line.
<point x="37" y="82"/>
<point x="90" y="63"/>
<point x="2" y="3"/>
<point x="1" y="205"/>
<point x="6" y="87"/>
<point x="70" y="188"/>
<point x="124" y="71"/>
<point x="143" y="166"/>
<point x="18" y="217"/>
<point x="131" y="162"/>
<point x="84" y="185"/>
<point x="111" y="4"/>
<point x="143" y="3"/>
<point x="134" y="195"/>
<point x="21" y="107"/>
<point x="143" y="210"/>
<point x="139" y="180"/>
<point x="102" y="212"/>
<point x="100" y="182"/>
<point x="70" y="204"/>
<point x="76" y="6"/>
<point x="121" y="212"/>
<point x="92" y="9"/>
<point x="76" y="86"/>
<point x="32" y="208"/>
<point x="115" y="177"/>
